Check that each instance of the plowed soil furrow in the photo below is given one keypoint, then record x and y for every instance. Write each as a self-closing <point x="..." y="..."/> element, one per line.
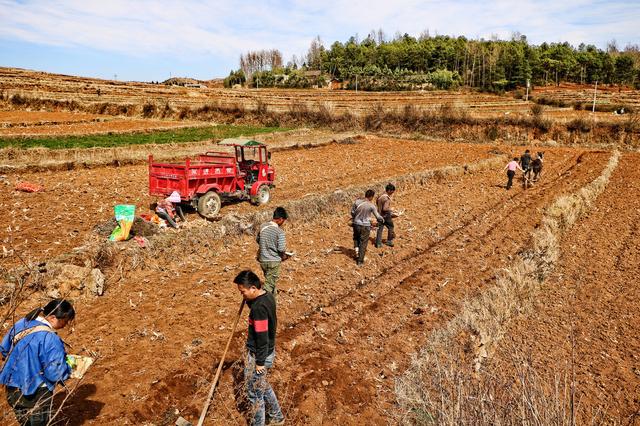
<point x="314" y="343"/>
<point x="586" y="318"/>
<point x="160" y="329"/>
<point x="409" y="266"/>
<point x="389" y="317"/>
<point x="193" y="297"/>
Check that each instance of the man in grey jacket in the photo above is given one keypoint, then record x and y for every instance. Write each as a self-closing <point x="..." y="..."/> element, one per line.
<point x="272" y="248"/>
<point x="361" y="212"/>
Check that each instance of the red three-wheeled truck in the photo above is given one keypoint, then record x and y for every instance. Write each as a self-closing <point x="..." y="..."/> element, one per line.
<point x="216" y="176"/>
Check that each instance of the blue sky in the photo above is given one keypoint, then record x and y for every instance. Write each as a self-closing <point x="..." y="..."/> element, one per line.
<point x="148" y="40"/>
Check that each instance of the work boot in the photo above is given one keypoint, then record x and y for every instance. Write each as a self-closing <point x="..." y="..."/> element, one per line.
<point x="389" y="243"/>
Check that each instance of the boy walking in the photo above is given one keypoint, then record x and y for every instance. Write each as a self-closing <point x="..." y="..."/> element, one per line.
<point x="511" y="168"/>
<point x="261" y="342"/>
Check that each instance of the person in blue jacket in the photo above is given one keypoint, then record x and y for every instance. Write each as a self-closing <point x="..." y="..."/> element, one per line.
<point x="35" y="360"/>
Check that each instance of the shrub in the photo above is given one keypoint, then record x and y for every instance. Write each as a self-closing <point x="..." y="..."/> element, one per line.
<point x="579" y="125"/>
<point x="492" y="133"/>
<point x="374" y="119"/>
<point x="410" y="116"/>
<point x="167" y="111"/>
<point x="298" y="111"/>
<point x="261" y="107"/>
<point x="323" y="115"/>
<point x="18" y="100"/>
<point x="148" y="110"/>
<point x="542" y="124"/>
<point x="444" y="79"/>
<point x="537" y="110"/>
<point x="184" y="113"/>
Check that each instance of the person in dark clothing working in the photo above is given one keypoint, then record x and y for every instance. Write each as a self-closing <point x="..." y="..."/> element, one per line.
<point x="525" y="163"/>
<point x="384" y="208"/>
<point x="261" y="342"/>
<point x="35" y="361"/>
<point x="361" y="212"/>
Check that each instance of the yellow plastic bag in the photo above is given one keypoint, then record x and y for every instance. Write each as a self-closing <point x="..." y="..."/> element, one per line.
<point x="125" y="214"/>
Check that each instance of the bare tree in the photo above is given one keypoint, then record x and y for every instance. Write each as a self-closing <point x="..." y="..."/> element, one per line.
<point x="314" y="54"/>
<point x="260" y="60"/>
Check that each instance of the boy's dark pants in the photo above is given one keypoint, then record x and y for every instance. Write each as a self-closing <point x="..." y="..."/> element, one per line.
<point x="510" y="175"/>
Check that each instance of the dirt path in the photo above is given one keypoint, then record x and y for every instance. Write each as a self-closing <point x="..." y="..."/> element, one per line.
<point x="586" y="317"/>
<point x="159" y="330"/>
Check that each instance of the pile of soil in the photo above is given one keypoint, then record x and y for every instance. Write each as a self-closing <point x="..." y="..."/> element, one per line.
<point x="140" y="228"/>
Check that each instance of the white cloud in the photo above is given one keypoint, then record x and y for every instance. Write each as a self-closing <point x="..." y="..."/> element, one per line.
<point x="224" y="29"/>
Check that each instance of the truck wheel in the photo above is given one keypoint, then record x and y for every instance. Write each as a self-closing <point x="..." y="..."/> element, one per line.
<point x="209" y="205"/>
<point x="262" y="196"/>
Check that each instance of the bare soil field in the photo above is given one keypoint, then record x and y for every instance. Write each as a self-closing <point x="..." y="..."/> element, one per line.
<point x="605" y="95"/>
<point x="585" y="324"/>
<point x="441" y="114"/>
<point x="77" y="200"/>
<point x="85" y="90"/>
<point x="13" y="118"/>
<point x="117" y="125"/>
<point x="88" y="91"/>
<point x="344" y="333"/>
<point x="21" y="123"/>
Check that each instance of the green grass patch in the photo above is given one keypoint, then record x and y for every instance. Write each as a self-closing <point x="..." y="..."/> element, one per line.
<point x="191" y="134"/>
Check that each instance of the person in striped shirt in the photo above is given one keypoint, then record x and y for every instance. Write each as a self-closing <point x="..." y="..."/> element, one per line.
<point x="272" y="245"/>
<point x="261" y="353"/>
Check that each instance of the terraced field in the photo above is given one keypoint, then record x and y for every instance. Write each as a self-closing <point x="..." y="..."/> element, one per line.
<point x="345" y="333"/>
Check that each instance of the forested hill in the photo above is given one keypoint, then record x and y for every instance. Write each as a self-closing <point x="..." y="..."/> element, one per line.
<point x="407" y="62"/>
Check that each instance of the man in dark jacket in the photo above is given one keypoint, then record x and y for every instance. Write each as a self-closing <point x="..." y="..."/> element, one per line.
<point x="261" y="342"/>
<point x="525" y="163"/>
<point x="384" y="208"/>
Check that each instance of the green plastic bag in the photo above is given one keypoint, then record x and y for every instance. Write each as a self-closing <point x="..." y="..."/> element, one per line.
<point x="125" y="214"/>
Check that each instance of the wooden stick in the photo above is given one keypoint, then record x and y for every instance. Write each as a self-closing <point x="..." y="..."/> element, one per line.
<point x="215" y="379"/>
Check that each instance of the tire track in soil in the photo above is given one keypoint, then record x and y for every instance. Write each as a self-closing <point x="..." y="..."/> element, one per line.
<point x="586" y="316"/>
<point x="385" y="318"/>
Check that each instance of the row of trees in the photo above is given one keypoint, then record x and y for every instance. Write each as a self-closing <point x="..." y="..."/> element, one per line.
<point x="261" y="60"/>
<point x="406" y="62"/>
